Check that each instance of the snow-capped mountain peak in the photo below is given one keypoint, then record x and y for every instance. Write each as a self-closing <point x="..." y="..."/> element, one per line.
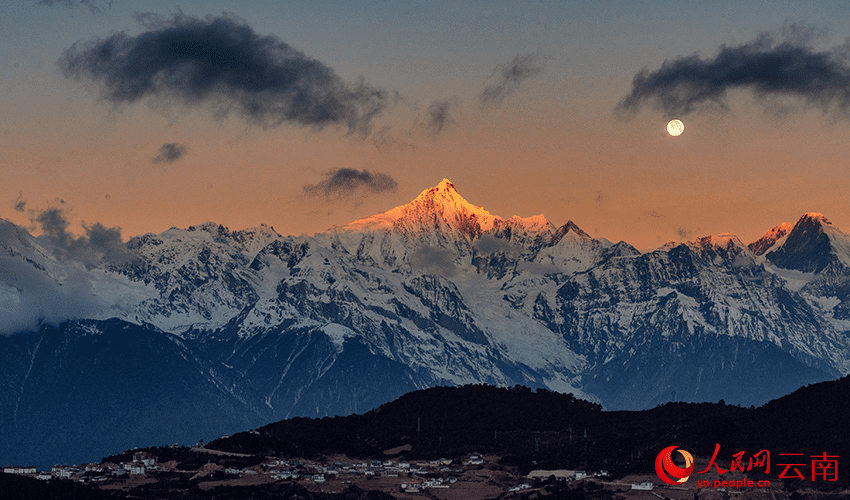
<point x="813" y="218"/>
<point x="571" y="227"/>
<point x="434" y="292"/>
<point x="770" y="238"/>
<point x="811" y="245"/>
<point x="442" y="208"/>
<point x="723" y="240"/>
<point x="533" y="223"/>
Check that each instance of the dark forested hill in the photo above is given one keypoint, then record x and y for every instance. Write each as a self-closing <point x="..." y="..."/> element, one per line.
<point x="545" y="429"/>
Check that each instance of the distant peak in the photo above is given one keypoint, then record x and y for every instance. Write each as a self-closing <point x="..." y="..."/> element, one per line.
<point x="812" y="218"/>
<point x="438" y="206"/>
<point x="811" y="246"/>
<point x="210" y="227"/>
<point x="720" y="240"/>
<point x="259" y="231"/>
<point x="571" y="226"/>
<point x="781" y="229"/>
<point x="446" y="184"/>
<point x="533" y="223"/>
<point x="763" y="244"/>
<point x="442" y="206"/>
<point x="444" y="193"/>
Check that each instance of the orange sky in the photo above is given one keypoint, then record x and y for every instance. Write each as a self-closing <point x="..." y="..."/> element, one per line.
<point x="553" y="146"/>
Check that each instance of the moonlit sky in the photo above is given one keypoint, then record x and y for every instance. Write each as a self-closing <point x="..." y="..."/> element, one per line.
<point x="515" y="102"/>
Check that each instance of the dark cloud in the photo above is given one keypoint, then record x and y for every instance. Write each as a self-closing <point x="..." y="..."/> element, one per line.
<point x="92" y="5"/>
<point x="508" y="77"/>
<point x="98" y="244"/>
<point x="765" y="67"/>
<point x="20" y="203"/>
<point x="169" y="153"/>
<point x="222" y="63"/>
<point x="54" y="225"/>
<point x="439" y="116"/>
<point x="345" y="182"/>
<point x="684" y="233"/>
<point x="433" y="260"/>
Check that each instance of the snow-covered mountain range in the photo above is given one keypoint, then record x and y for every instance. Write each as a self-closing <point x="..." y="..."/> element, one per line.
<point x="198" y="332"/>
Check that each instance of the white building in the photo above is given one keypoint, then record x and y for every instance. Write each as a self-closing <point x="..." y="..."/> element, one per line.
<point x="20" y="470"/>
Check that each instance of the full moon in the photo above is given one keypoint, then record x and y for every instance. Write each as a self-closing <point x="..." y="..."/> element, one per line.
<point x="675" y="127"/>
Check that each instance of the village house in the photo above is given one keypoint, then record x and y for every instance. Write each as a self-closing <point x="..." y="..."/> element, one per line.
<point x="562" y="474"/>
<point x="20" y="470"/>
<point x="62" y="473"/>
<point x="646" y="486"/>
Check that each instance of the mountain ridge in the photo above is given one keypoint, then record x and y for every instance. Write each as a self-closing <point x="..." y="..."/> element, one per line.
<point x="515" y="430"/>
<point x="435" y="292"/>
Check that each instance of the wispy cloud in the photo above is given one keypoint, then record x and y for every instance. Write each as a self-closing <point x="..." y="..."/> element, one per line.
<point x="170" y="152"/>
<point x="389" y="139"/>
<point x="507" y="78"/>
<point x="92" y="5"/>
<point x="766" y="67"/>
<point x="439" y="116"/>
<point x="222" y="63"/>
<point x="345" y="182"/>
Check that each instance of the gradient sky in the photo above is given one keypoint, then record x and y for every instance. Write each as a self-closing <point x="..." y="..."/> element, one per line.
<point x="547" y="137"/>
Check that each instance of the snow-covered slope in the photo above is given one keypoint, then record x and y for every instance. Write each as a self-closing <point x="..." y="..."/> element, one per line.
<point x="770" y="238"/>
<point x="440" y="291"/>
